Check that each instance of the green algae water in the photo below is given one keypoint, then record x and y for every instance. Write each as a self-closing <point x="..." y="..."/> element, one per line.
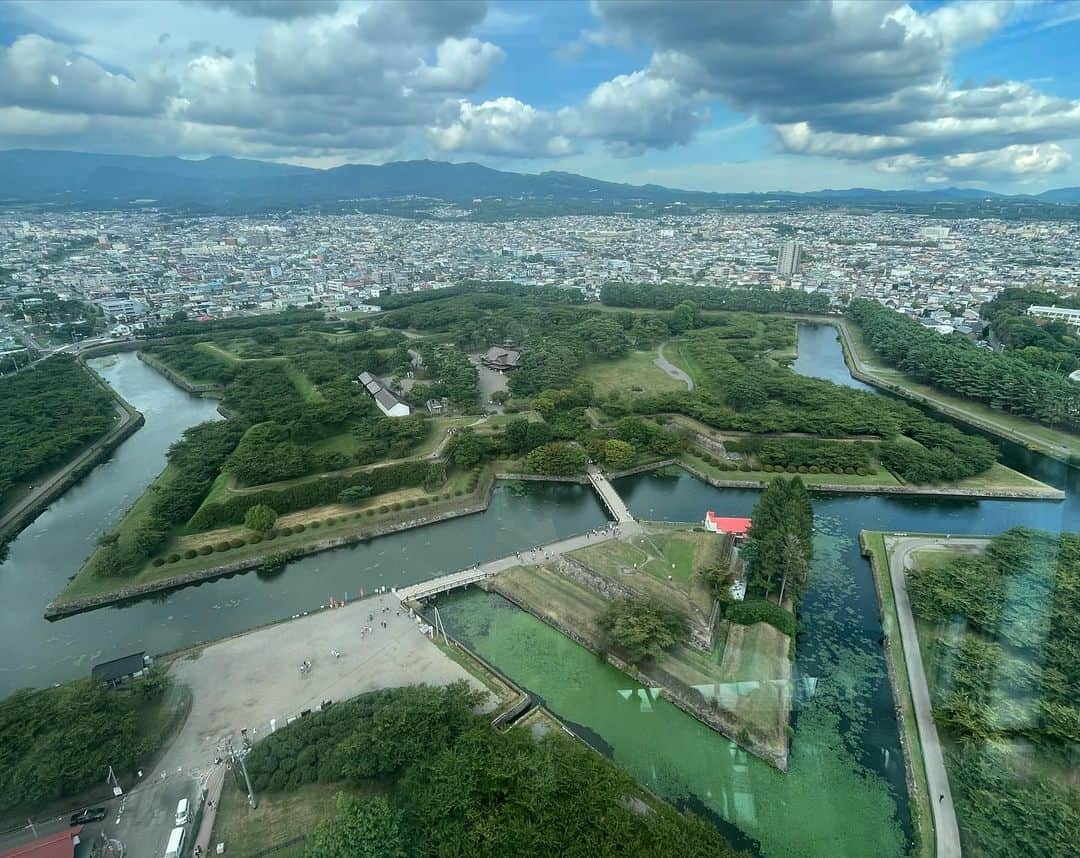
<point x="828" y="804"/>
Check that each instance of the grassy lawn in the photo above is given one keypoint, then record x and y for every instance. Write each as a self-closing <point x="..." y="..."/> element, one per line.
<point x="920" y="801"/>
<point x="678" y="554"/>
<point x="634" y="373"/>
<point x="279" y="819"/>
<point x="303" y="384"/>
<point x="218" y="352"/>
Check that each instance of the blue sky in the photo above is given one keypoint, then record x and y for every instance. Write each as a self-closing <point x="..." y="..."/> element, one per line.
<point x="727" y="96"/>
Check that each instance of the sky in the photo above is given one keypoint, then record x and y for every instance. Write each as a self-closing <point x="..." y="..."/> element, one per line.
<point x="722" y="96"/>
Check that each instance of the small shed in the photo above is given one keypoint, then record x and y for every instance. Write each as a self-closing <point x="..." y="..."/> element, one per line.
<point x="119" y="670"/>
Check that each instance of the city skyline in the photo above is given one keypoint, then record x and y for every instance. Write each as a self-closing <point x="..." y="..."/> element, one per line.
<point x="719" y="97"/>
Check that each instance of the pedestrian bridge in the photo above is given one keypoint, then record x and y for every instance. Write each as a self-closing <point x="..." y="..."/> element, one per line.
<point x="612" y="502"/>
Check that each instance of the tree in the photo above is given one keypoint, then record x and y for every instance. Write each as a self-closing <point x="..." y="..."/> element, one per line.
<point x="260" y="518"/>
<point x="354" y="494"/>
<point x="641" y="627"/>
<point x="363" y="828"/>
<point x="685" y="317"/>
<point x="618" y="454"/>
<point x="795" y="565"/>
<point x="557" y="459"/>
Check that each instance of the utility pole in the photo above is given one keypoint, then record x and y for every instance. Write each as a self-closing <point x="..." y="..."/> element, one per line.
<point x="440" y="629"/>
<point x="237" y="760"/>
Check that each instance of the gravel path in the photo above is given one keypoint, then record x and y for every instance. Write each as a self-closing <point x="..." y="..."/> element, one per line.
<point x="672" y="370"/>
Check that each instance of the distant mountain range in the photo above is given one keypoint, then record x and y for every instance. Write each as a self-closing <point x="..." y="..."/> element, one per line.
<point x="85" y="180"/>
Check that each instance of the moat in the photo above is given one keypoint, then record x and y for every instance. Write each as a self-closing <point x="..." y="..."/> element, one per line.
<point x="845" y="793"/>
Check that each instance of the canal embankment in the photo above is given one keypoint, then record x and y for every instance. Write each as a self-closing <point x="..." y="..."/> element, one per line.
<point x="53" y="485"/>
<point x="1054" y="443"/>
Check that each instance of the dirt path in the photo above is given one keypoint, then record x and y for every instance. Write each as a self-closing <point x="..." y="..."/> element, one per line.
<point x="672" y="370"/>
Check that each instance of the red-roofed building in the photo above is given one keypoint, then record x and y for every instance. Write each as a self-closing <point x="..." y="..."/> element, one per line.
<point x="737" y="527"/>
<point x="59" y="845"/>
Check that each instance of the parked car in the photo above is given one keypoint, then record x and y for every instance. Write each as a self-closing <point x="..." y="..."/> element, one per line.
<point x="91" y="814"/>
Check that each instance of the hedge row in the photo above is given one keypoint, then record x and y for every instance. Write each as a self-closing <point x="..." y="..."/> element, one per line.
<point x="320" y="491"/>
<point x="759" y="611"/>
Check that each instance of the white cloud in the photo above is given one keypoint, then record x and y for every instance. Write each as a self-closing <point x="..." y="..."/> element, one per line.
<point x="461" y="65"/>
<point x="503" y="126"/>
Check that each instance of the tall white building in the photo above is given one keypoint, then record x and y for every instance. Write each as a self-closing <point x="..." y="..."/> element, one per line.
<point x="788" y="261"/>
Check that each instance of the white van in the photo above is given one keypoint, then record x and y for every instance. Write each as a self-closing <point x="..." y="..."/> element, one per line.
<point x="182" y="812"/>
<point x="176" y="843"/>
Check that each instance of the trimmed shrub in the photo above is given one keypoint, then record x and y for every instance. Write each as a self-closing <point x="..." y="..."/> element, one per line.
<point x="314" y="525"/>
<point x="803" y="469"/>
<point x="300" y="528"/>
<point x="759" y="611"/>
<point x="190" y="554"/>
<point x="286" y="531"/>
<point x="814" y="469"/>
<point x="206" y="549"/>
<point x="255" y="539"/>
<point x="384" y="509"/>
<point x="222" y="546"/>
<point x="173" y="558"/>
<point x="158" y="561"/>
<point x="237" y="543"/>
<point x="410" y="503"/>
<point x="395" y="506"/>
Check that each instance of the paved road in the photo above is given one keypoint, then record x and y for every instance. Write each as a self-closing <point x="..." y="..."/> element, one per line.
<point x="937" y="779"/>
<point x="672" y="370"/>
<point x="50" y="482"/>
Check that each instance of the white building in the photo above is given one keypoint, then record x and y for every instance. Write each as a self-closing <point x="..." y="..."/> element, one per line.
<point x="1061" y="314"/>
<point x="787" y="262"/>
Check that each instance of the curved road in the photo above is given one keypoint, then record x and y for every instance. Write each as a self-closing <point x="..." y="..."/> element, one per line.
<point x="947" y="835"/>
<point x="672" y="370"/>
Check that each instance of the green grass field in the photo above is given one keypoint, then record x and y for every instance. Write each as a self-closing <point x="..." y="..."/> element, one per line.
<point x="281" y="818"/>
<point x="635" y="373"/>
<point x="658" y="565"/>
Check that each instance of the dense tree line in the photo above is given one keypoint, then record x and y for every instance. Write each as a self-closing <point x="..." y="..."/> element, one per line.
<point x="319" y="491"/>
<point x="954" y="365"/>
<point x="1013" y="676"/>
<point x="47" y="414"/>
<point x="835" y="456"/>
<point x="713" y="298"/>
<point x="60" y="741"/>
<point x="239" y="324"/>
<point x="454" y="377"/>
<point x="457" y="787"/>
<point x="781" y="543"/>
<point x="551" y="294"/>
<point x="196" y="459"/>
<point x="1047" y="344"/>
<point x="197" y="365"/>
